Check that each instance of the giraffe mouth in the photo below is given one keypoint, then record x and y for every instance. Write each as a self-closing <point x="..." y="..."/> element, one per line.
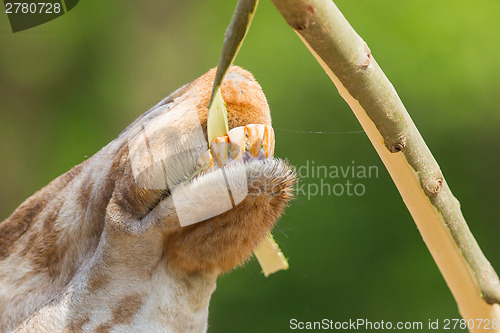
<point x="236" y="165"/>
<point x="238" y="190"/>
<point x="203" y="181"/>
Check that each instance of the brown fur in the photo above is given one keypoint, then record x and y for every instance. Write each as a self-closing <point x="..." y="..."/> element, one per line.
<point x="76" y="325"/>
<point x="127" y="307"/>
<point x="123" y="313"/>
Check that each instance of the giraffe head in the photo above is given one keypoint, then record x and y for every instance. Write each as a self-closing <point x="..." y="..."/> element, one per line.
<point x="210" y="215"/>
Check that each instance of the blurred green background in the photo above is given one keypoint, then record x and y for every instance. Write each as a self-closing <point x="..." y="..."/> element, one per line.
<point x="70" y="86"/>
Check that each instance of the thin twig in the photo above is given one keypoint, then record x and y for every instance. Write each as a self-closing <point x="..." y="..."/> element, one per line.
<point x="235" y="33"/>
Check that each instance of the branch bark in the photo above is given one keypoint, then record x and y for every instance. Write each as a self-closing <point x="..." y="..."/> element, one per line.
<point x="348" y="61"/>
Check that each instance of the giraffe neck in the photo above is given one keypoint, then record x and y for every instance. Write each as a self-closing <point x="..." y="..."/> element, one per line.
<point x="48" y="237"/>
<point x="166" y="302"/>
<point x="66" y="268"/>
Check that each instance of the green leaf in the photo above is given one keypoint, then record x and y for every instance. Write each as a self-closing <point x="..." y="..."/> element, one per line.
<point x="217" y="118"/>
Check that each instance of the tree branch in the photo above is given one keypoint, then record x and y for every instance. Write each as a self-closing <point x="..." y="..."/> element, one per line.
<point x="348" y="61"/>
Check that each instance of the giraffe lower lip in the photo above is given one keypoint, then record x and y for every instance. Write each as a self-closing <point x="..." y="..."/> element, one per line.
<point x="219" y="190"/>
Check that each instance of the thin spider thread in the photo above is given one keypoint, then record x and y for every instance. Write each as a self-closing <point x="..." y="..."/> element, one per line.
<point x="317" y="132"/>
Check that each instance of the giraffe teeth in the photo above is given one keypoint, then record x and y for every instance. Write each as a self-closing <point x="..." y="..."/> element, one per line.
<point x="255" y="135"/>
<point x="231" y="147"/>
<point x="268" y="141"/>
<point x="237" y="142"/>
<point x="220" y="150"/>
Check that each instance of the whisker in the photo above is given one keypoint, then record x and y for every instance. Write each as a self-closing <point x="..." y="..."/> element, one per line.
<point x="281" y="231"/>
